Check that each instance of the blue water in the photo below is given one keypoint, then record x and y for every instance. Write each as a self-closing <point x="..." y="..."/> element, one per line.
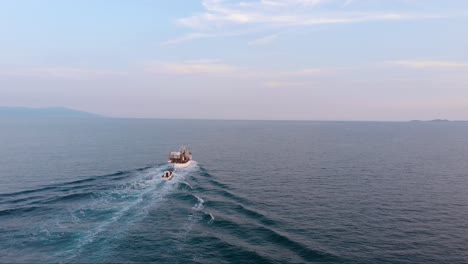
<point x="89" y="190"/>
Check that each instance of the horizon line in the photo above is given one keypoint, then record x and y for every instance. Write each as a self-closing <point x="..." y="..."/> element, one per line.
<point x="98" y="115"/>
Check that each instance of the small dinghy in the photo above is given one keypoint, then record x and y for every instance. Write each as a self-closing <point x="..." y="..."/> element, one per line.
<point x="167" y="175"/>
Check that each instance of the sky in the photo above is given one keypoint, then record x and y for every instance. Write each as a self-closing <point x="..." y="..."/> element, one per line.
<point x="383" y="60"/>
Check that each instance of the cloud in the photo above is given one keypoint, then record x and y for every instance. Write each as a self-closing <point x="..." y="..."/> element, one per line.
<point x="195" y="67"/>
<point x="429" y="64"/>
<point x="348" y="3"/>
<point x="185" y="38"/>
<point x="61" y="72"/>
<point x="294" y="2"/>
<point x="290" y="78"/>
<point x="221" y="17"/>
<point x="305" y="72"/>
<point x="263" y="40"/>
<point x="218" y="68"/>
<point x="275" y="84"/>
<point x="228" y="18"/>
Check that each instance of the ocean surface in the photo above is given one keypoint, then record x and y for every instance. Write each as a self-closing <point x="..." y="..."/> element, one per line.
<point x="89" y="190"/>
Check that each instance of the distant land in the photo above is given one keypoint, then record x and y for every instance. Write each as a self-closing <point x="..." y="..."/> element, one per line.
<point x="440" y="121"/>
<point x="63" y="112"/>
<point x="434" y="120"/>
<point x="56" y="112"/>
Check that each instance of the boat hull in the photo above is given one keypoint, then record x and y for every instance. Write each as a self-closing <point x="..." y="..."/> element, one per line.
<point x="168" y="178"/>
<point x="183" y="165"/>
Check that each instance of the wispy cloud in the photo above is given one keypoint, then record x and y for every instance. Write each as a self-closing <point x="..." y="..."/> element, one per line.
<point x="217" y="68"/>
<point x="422" y="64"/>
<point x="187" y="37"/>
<point x="348" y="3"/>
<point x="283" y="3"/>
<point x="263" y="40"/>
<point x="285" y="84"/>
<point x="305" y="72"/>
<point x="195" y="67"/>
<point x="222" y="16"/>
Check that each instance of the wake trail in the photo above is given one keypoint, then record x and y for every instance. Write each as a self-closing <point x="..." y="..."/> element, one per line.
<point x="73" y="217"/>
<point x="152" y="190"/>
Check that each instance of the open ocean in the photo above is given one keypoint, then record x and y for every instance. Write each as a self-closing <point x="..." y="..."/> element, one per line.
<point x="89" y="190"/>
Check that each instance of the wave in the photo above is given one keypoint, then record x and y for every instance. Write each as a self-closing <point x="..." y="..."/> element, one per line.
<point x="68" y="186"/>
<point x="71" y="217"/>
<point x="143" y="194"/>
<point x="186" y="184"/>
<point x="199" y="205"/>
<point x="132" y="215"/>
<point x="211" y="219"/>
<point x="242" y="227"/>
<point x="228" y="248"/>
<point x="256" y="235"/>
<point x="21" y="210"/>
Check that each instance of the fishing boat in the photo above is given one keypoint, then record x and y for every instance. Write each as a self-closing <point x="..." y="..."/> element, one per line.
<point x="181" y="158"/>
<point x="167" y="175"/>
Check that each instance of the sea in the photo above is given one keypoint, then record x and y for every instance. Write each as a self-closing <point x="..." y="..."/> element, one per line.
<point x="89" y="190"/>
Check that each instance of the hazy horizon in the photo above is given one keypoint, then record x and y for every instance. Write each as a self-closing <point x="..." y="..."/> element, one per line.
<point x="318" y="60"/>
<point x="32" y="110"/>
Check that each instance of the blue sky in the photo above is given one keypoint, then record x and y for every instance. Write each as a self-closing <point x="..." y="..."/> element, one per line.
<point x="229" y="59"/>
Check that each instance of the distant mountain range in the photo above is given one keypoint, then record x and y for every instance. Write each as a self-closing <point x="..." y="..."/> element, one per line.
<point x="434" y="120"/>
<point x="56" y="112"/>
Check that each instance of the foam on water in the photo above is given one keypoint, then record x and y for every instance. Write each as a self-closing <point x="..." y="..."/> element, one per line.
<point x="187" y="184"/>
<point x="91" y="220"/>
<point x="82" y="215"/>
<point x="199" y="205"/>
<point x="149" y="185"/>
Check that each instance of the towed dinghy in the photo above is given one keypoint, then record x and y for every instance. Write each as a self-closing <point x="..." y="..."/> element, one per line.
<point x="167" y="175"/>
